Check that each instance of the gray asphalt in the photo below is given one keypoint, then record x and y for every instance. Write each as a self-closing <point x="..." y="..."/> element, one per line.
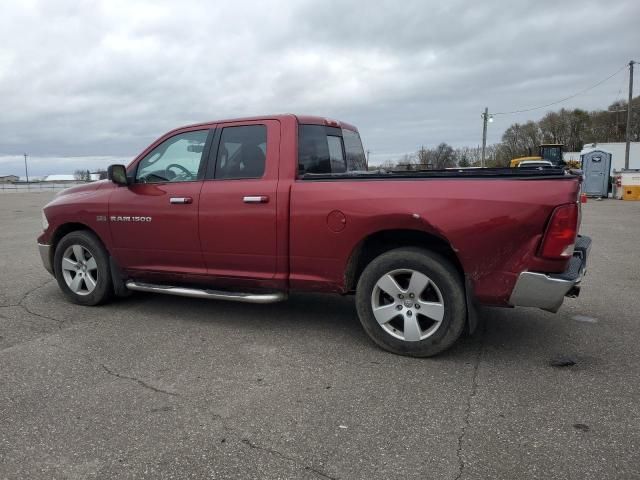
<point x="167" y="387"/>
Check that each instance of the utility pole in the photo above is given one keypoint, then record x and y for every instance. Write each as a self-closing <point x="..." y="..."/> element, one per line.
<point x="485" y="118"/>
<point x="26" y="170"/>
<point x="628" y="132"/>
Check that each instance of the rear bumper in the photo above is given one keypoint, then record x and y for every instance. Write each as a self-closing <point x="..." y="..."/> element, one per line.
<point x="45" y="256"/>
<point x="547" y="291"/>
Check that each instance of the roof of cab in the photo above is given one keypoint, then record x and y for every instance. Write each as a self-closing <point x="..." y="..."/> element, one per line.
<point x="302" y="119"/>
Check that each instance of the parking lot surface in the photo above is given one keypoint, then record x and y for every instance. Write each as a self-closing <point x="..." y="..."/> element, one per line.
<point x="166" y="387"/>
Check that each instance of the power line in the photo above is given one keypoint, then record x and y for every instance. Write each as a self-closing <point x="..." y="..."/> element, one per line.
<point x="620" y="96"/>
<point x="566" y="98"/>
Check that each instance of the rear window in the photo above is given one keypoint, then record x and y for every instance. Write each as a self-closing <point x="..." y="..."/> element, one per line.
<point x="327" y="150"/>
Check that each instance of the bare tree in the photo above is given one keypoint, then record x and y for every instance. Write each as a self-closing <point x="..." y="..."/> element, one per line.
<point x="573" y="128"/>
<point x="82" y="175"/>
<point x="442" y="156"/>
<point x="522" y="139"/>
<point x="388" y="165"/>
<point x="422" y="156"/>
<point x="468" y="156"/>
<point x="408" y="161"/>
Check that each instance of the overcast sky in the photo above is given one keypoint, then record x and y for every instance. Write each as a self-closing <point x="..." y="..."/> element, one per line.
<point x="106" y="78"/>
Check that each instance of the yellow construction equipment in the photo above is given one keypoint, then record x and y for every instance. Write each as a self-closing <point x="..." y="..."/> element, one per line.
<point x="551" y="152"/>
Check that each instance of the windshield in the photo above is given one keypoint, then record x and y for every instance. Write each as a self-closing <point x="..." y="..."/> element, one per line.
<point x="552" y="153"/>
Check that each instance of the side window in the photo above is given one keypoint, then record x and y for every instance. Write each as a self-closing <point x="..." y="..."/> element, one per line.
<point x="326" y="150"/>
<point x="356" y="159"/>
<point x="177" y="159"/>
<point x="313" y="150"/>
<point x="242" y="152"/>
<point x="336" y="156"/>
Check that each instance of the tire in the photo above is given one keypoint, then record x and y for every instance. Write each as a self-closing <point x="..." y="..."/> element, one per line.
<point x="422" y="312"/>
<point x="81" y="267"/>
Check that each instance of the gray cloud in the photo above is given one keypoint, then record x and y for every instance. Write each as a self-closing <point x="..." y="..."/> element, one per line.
<point x="107" y="78"/>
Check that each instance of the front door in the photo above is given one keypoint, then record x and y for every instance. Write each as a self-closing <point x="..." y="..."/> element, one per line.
<point x="154" y="220"/>
<point x="238" y="203"/>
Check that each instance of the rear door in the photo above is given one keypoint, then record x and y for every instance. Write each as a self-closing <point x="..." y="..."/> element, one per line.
<point x="238" y="202"/>
<point x="154" y="220"/>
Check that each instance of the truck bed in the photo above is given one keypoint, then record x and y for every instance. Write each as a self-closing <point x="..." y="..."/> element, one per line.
<point x="509" y="173"/>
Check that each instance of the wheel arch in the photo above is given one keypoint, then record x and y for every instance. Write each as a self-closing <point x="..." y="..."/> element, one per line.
<point x="66" y="228"/>
<point x="382" y="241"/>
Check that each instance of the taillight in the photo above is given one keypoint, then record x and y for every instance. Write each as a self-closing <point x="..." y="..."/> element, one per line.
<point x="560" y="237"/>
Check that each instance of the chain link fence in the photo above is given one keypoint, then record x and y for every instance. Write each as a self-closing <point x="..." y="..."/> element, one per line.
<point x="37" y="186"/>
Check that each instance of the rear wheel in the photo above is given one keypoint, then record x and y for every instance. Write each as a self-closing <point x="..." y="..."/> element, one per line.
<point x="81" y="266"/>
<point x="411" y="302"/>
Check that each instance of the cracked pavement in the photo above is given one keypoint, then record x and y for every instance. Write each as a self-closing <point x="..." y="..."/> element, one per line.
<point x="154" y="386"/>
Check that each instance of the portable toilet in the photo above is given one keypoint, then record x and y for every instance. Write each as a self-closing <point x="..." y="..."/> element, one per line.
<point x="596" y="166"/>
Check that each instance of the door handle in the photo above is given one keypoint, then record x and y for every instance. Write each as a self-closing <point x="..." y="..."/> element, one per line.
<point x="177" y="200"/>
<point x="255" y="199"/>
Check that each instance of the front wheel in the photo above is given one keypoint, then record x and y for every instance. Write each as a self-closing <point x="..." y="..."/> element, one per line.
<point x="81" y="266"/>
<point x="411" y="302"/>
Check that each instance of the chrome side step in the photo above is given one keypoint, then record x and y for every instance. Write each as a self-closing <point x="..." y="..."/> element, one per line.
<point x="206" y="293"/>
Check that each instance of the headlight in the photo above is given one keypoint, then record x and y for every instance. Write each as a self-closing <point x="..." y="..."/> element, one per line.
<point x="45" y="222"/>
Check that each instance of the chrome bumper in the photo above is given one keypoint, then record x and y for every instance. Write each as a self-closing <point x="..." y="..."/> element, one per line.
<point x="45" y="255"/>
<point x="547" y="291"/>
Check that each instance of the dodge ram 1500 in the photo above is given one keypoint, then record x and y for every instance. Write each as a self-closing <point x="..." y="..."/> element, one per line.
<point x="252" y="209"/>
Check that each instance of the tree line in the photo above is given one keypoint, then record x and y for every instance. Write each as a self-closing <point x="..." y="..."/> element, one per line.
<point x="85" y="175"/>
<point x="573" y="128"/>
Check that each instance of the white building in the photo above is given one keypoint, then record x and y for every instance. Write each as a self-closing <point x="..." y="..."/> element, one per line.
<point x="9" y="178"/>
<point x="571" y="156"/>
<point x="617" y="153"/>
<point x="59" y="178"/>
<point x="64" y="177"/>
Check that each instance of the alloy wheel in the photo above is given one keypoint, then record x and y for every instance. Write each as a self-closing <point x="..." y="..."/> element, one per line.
<point x="407" y="304"/>
<point x="80" y="270"/>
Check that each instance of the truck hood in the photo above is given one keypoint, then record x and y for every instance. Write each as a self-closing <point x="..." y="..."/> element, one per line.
<point x="87" y="187"/>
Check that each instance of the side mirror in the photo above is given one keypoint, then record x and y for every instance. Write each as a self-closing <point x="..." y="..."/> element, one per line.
<point x="117" y="174"/>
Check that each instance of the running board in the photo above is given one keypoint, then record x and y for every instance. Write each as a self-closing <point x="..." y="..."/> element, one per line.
<point x="205" y="293"/>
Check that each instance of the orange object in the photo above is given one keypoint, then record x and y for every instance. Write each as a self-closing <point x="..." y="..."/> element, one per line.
<point x="631" y="192"/>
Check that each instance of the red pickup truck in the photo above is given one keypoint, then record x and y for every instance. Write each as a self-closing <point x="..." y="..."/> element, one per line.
<point x="252" y="209"/>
